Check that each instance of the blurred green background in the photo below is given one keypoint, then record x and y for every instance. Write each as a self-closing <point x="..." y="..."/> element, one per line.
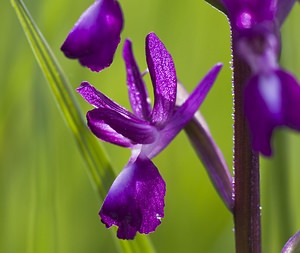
<point x="46" y="201"/>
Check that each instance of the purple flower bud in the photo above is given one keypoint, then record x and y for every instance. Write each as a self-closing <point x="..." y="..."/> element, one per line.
<point x="96" y="35"/>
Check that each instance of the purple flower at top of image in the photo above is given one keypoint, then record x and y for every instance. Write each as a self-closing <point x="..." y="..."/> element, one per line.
<point x="96" y="35"/>
<point x="135" y="201"/>
<point x="271" y="95"/>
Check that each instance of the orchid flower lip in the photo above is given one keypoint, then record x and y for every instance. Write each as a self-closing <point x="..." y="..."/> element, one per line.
<point x="163" y="75"/>
<point x="135" y="201"/>
<point x="270" y="102"/>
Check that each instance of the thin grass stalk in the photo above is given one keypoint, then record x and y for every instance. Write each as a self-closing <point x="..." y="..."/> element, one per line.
<point x="98" y="166"/>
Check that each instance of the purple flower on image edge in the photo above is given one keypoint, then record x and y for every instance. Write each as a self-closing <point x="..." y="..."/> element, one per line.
<point x="271" y="101"/>
<point x="271" y="95"/>
<point x="96" y="35"/>
<point x="135" y="201"/>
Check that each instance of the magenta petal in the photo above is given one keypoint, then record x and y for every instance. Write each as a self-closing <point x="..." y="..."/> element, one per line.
<point x="138" y="131"/>
<point x="187" y="110"/>
<point x="135" y="201"/>
<point x="96" y="35"/>
<point x="99" y="100"/>
<point x="138" y="96"/>
<point x="271" y="101"/>
<point x="290" y="99"/>
<point x="163" y="76"/>
<point x="104" y="132"/>
<point x="263" y="108"/>
<point x="92" y="95"/>
<point x="183" y="114"/>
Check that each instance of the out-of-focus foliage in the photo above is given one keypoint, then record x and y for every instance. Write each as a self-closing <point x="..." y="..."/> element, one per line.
<point x="47" y="202"/>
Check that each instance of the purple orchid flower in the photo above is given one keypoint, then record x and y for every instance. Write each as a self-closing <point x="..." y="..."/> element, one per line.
<point x="135" y="201"/>
<point x="96" y="35"/>
<point x="271" y="95"/>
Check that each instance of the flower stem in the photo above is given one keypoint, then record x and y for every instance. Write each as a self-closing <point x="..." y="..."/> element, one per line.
<point x="246" y="170"/>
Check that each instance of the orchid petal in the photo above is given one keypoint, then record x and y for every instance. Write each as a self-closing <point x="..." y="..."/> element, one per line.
<point x="290" y="99"/>
<point x="138" y="96"/>
<point x="283" y="9"/>
<point x="184" y="113"/>
<point x="105" y="133"/>
<point x="163" y="76"/>
<point x="138" y="131"/>
<point x="99" y="100"/>
<point x="96" y="35"/>
<point x="263" y="111"/>
<point x="271" y="101"/>
<point x="135" y="201"/>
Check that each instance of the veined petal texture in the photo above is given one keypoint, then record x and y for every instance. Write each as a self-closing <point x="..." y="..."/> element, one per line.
<point x="104" y="132"/>
<point x="164" y="80"/>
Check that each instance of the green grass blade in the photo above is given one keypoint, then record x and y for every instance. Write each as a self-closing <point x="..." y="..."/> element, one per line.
<point x="98" y="166"/>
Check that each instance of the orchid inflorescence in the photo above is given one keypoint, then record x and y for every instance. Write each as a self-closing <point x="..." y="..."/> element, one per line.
<point x="271" y="99"/>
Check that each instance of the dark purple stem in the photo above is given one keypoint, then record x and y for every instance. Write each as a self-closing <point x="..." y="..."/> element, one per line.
<point x="246" y="172"/>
